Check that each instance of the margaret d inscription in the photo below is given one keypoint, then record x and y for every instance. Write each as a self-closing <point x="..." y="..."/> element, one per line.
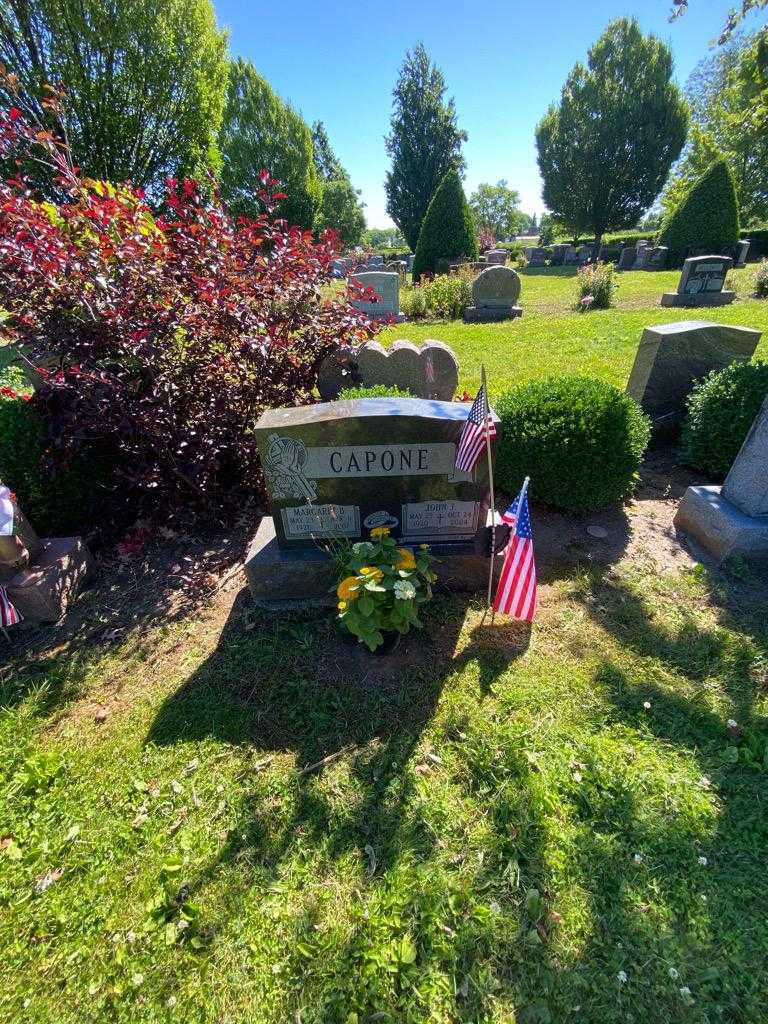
<point x="338" y="469"/>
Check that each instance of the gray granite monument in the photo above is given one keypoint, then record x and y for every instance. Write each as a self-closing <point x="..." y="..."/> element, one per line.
<point x="701" y="283"/>
<point x="495" y="292"/>
<point x="656" y="257"/>
<point x="733" y="519"/>
<point x="336" y="470"/>
<point x="671" y="357"/>
<point x="429" y="370"/>
<point x="537" y="257"/>
<point x="387" y="287"/>
<point x="627" y="258"/>
<point x="742" y="252"/>
<point x="496" y="257"/>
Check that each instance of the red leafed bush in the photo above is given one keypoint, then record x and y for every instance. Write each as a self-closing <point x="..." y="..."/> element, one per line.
<point x="159" y="338"/>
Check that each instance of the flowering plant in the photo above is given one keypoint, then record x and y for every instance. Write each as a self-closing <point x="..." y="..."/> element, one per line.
<point x="596" y="287"/>
<point x="382" y="586"/>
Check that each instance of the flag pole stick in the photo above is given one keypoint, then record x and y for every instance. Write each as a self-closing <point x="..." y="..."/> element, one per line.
<point x="492" y="497"/>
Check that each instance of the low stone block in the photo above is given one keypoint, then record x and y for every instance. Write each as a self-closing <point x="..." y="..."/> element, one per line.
<point x="719" y="527"/>
<point x="305" y="578"/>
<point x="724" y="298"/>
<point x="490" y="314"/>
<point x="43" y="591"/>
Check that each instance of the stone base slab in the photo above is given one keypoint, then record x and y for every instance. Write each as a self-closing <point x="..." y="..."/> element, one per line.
<point x="719" y="527"/>
<point x="42" y="592"/>
<point x="490" y="314"/>
<point x="290" y="580"/>
<point x="723" y="298"/>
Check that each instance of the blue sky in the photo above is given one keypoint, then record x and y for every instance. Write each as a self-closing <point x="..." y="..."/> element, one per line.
<point x="504" y="61"/>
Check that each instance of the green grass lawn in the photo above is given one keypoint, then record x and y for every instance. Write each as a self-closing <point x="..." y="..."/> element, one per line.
<point x="490" y="827"/>
<point x="551" y="337"/>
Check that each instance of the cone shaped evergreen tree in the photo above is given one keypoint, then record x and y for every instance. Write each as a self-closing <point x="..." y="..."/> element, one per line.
<point x="448" y="231"/>
<point x="707" y="218"/>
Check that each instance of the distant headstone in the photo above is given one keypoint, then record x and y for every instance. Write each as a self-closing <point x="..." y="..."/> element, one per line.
<point x="641" y="254"/>
<point x="701" y="283"/>
<point x="671" y="357"/>
<point x="409" y="262"/>
<point x="558" y="254"/>
<point x="570" y="257"/>
<point x="733" y="520"/>
<point x="386" y="286"/>
<point x="337" y="470"/>
<point x="375" y="261"/>
<point x="496" y="257"/>
<point x="495" y="292"/>
<point x="395" y="267"/>
<point x="742" y="252"/>
<point x="537" y="257"/>
<point x="339" y="267"/>
<point x="627" y="258"/>
<point x="656" y="257"/>
<point x="429" y="370"/>
<point x="583" y="254"/>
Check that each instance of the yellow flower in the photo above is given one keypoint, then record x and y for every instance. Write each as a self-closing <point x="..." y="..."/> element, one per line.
<point x="372" y="572"/>
<point x="424" y="547"/>
<point x="342" y="606"/>
<point x="347" y="589"/>
<point x="380" y="531"/>
<point x="405" y="559"/>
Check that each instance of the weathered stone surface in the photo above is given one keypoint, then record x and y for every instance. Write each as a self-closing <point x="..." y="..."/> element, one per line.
<point x="43" y="591"/>
<point x="701" y="283"/>
<point x="387" y="288"/>
<point x="719" y="527"/>
<point x="537" y="257"/>
<point x="429" y="370"/>
<point x="496" y="287"/>
<point x="671" y="357"/>
<point x="490" y="314"/>
<point x="280" y="579"/>
<point x="627" y="258"/>
<point x="340" y="468"/>
<point x="19" y="547"/>
<point x="496" y="257"/>
<point x="656" y="257"/>
<point x="742" y="252"/>
<point x="746" y="485"/>
<point x="583" y="254"/>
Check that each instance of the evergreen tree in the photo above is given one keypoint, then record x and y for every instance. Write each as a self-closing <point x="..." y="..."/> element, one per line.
<point x="707" y="218"/>
<point x="261" y="131"/>
<point x="328" y="165"/>
<point x="448" y="231"/>
<point x="424" y="143"/>
<point x="145" y="82"/>
<point x="606" y="149"/>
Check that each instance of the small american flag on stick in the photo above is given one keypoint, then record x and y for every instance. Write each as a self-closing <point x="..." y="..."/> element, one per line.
<point x="8" y="614"/>
<point x="517" y="590"/>
<point x="479" y="428"/>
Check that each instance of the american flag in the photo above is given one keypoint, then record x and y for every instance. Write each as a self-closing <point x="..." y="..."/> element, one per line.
<point x="478" y="425"/>
<point x="8" y="614"/>
<point x="516" y="592"/>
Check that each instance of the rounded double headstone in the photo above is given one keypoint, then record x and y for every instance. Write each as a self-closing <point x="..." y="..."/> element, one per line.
<point x="430" y="370"/>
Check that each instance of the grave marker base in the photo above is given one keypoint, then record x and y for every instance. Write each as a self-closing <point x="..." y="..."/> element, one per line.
<point x="724" y="298"/>
<point x="490" y="314"/>
<point x="43" y="591"/>
<point x="719" y="527"/>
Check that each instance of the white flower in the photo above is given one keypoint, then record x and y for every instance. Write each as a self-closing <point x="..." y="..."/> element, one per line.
<point x="705" y="783"/>
<point x="702" y="862"/>
<point x="495" y="907"/>
<point x="404" y="590"/>
<point x="362" y="549"/>
<point x="732" y="723"/>
<point x="170" y="1002"/>
<point x="638" y="858"/>
<point x="685" y="993"/>
<point x="621" y="977"/>
<point x="577" y="776"/>
<point x="137" y="979"/>
<point x="673" y="973"/>
<point x="647" y="705"/>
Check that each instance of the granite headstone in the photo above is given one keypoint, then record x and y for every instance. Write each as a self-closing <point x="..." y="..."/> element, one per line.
<point x="429" y="370"/>
<point x="627" y="258"/>
<point x="671" y="357"/>
<point x="495" y="292"/>
<point x="386" y="286"/>
<point x="701" y="283"/>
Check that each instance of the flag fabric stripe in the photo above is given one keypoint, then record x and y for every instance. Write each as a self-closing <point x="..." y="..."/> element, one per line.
<point x="477" y="427"/>
<point x="8" y="614"/>
<point x="517" y="590"/>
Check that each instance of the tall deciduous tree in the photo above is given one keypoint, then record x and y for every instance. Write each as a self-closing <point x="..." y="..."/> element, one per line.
<point x="606" y="149"/>
<point x="145" y="81"/>
<point x="341" y="209"/>
<point x="497" y="209"/>
<point x="261" y="131"/>
<point x="424" y="143"/>
<point x="735" y="16"/>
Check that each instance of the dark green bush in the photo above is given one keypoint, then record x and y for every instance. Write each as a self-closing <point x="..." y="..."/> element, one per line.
<point x="721" y="409"/>
<point x="707" y="218"/>
<point x="759" y="239"/>
<point x="376" y="391"/>
<point x="53" y="505"/>
<point x="580" y="440"/>
<point x="448" y="230"/>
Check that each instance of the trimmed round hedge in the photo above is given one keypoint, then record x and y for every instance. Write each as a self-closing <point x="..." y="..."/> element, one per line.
<point x="580" y="440"/>
<point x="721" y="409"/>
<point x="374" y="391"/>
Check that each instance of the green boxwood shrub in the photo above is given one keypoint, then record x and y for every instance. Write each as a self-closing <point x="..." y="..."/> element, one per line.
<point x="448" y="230"/>
<point x="707" y="218"/>
<point x="581" y="440"/>
<point x="721" y="409"/>
<point x="441" y="298"/>
<point x="375" y="391"/>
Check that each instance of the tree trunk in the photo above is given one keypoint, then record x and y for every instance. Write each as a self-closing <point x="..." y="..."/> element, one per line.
<point x="598" y="245"/>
